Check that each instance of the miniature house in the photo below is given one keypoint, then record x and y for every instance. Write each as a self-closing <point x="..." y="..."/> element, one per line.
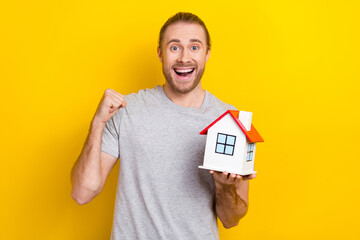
<point x="231" y="143"/>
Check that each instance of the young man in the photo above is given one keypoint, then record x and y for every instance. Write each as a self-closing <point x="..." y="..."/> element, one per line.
<point x="161" y="193"/>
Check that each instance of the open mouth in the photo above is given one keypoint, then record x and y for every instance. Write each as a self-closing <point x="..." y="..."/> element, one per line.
<point x="184" y="72"/>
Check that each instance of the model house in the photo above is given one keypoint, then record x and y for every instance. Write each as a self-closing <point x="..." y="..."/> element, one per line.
<point x="231" y="143"/>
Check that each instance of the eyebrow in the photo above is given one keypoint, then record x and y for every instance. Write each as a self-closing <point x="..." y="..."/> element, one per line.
<point x="191" y="40"/>
<point x="173" y="40"/>
<point x="196" y="40"/>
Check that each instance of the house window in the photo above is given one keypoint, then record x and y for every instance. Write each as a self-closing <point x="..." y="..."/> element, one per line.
<point x="225" y="144"/>
<point x="250" y="152"/>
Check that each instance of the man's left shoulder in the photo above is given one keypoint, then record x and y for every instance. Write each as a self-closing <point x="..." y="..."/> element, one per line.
<point x="219" y="104"/>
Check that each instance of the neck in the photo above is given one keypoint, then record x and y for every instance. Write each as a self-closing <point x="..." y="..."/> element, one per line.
<point x="193" y="99"/>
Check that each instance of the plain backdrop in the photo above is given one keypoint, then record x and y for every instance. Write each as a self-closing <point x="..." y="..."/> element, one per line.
<point x="294" y="64"/>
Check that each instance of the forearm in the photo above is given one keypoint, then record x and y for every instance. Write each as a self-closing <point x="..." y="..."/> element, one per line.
<point x="230" y="206"/>
<point x="86" y="173"/>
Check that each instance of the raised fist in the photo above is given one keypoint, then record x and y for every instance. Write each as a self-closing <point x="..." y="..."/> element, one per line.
<point x="109" y="104"/>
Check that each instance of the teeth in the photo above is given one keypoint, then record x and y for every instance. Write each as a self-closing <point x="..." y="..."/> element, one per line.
<point x="184" y="70"/>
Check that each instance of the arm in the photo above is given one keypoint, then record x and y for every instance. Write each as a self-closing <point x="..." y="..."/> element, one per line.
<point x="231" y="197"/>
<point x="92" y="167"/>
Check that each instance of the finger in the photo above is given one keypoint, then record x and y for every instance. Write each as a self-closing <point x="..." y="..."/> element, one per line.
<point x="120" y="98"/>
<point x="249" y="177"/>
<point x="121" y="103"/>
<point x="112" y="91"/>
<point x="211" y="172"/>
<point x="113" y="110"/>
<point x="238" y="179"/>
<point x="232" y="177"/>
<point x="113" y="94"/>
<point x="218" y="176"/>
<point x="252" y="176"/>
<point x="113" y="103"/>
<point x="117" y="96"/>
<point x="225" y="175"/>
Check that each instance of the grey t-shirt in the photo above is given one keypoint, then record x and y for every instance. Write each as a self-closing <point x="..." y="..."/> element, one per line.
<point x="161" y="192"/>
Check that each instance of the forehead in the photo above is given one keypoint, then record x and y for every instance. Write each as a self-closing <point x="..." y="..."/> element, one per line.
<point x="184" y="32"/>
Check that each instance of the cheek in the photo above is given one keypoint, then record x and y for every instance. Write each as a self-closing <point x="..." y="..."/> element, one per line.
<point x="169" y="59"/>
<point x="200" y="58"/>
<point x="200" y="61"/>
<point x="167" y="65"/>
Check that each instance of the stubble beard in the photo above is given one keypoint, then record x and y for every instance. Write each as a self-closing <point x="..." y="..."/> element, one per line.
<point x="176" y="87"/>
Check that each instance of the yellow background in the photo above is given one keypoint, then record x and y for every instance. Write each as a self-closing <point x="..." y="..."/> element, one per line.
<point x="295" y="64"/>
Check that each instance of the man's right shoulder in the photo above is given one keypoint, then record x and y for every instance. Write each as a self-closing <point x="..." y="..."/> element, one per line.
<point x="136" y="102"/>
<point x="143" y="96"/>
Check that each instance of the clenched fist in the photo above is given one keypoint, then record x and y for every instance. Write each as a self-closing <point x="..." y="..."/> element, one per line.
<point x="109" y="104"/>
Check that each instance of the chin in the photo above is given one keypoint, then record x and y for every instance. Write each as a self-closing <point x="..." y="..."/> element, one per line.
<point x="183" y="87"/>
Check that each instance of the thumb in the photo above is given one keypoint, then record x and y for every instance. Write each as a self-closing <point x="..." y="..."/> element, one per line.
<point x="115" y="109"/>
<point x="123" y="104"/>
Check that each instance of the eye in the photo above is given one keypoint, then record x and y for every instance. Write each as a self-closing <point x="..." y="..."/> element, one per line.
<point x="174" y="48"/>
<point x="194" y="48"/>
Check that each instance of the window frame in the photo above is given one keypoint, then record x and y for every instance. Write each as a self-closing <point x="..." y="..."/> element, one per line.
<point x="225" y="144"/>
<point x="250" y="151"/>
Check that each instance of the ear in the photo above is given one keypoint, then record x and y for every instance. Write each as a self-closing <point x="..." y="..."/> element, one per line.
<point x="159" y="54"/>
<point x="207" y="55"/>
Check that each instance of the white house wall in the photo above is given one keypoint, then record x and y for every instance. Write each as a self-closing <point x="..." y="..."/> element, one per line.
<point x="224" y="162"/>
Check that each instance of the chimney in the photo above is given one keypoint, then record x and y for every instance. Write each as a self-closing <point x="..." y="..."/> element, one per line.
<point x="245" y="119"/>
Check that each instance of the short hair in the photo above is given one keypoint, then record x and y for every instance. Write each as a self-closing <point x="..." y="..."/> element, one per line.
<point x="185" y="17"/>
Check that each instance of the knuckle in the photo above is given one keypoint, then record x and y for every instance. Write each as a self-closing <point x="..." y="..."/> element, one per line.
<point x="107" y="98"/>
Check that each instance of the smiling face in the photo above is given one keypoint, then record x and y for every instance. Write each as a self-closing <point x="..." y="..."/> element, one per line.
<point x="183" y="55"/>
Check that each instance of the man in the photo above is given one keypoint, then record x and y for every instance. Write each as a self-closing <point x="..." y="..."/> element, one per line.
<point x="161" y="193"/>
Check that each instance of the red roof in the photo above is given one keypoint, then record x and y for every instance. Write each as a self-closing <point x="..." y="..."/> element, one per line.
<point x="252" y="135"/>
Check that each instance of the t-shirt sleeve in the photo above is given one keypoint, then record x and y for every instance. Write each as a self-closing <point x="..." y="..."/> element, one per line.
<point x="110" y="137"/>
<point x="231" y="107"/>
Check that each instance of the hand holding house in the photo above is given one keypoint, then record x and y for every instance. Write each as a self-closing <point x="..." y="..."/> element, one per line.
<point x="231" y="143"/>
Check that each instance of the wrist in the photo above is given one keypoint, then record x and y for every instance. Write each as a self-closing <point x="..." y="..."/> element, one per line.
<point x="225" y="188"/>
<point x="97" y="124"/>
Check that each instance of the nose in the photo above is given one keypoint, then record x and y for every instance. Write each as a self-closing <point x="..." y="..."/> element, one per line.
<point x="184" y="56"/>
